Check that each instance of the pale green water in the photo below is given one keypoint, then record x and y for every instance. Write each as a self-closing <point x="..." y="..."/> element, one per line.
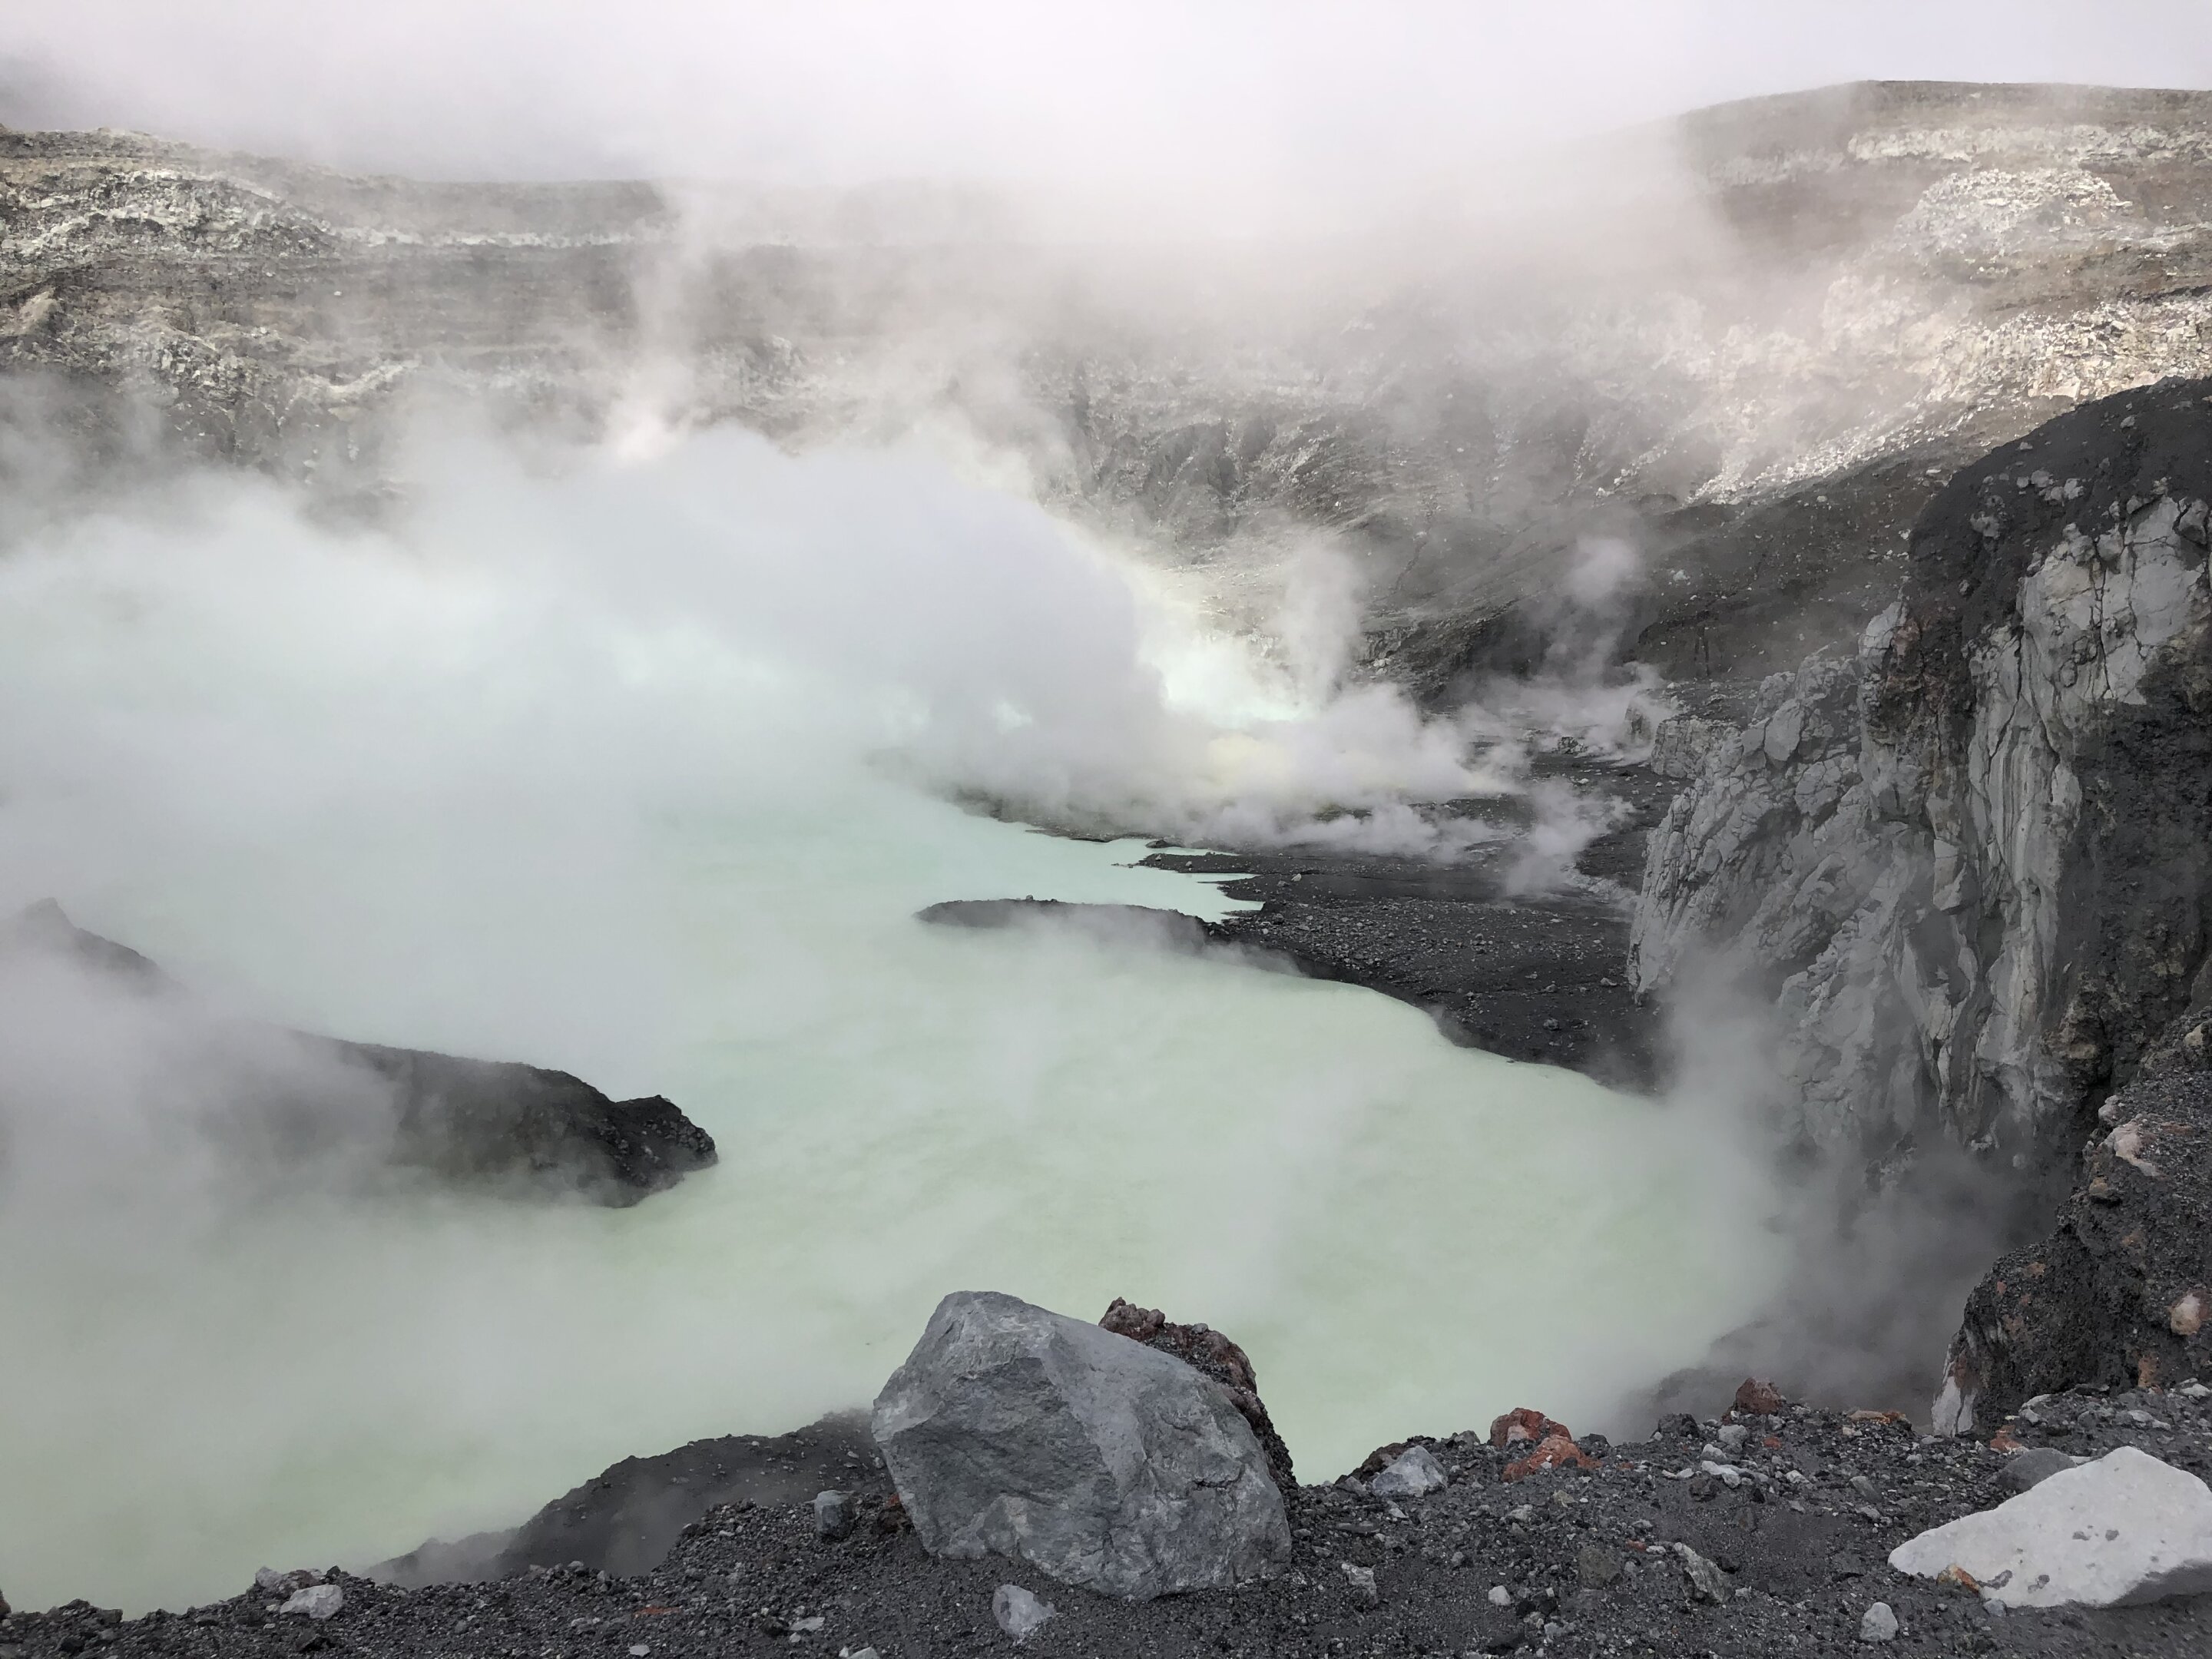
<point x="362" y="802"/>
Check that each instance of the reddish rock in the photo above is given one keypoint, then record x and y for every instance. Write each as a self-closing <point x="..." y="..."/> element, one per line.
<point x="1756" y="1397"/>
<point x="1522" y="1424"/>
<point x="1554" y="1451"/>
<point x="1211" y="1354"/>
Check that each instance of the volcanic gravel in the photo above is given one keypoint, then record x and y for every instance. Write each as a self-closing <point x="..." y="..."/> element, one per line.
<point x="1566" y="1562"/>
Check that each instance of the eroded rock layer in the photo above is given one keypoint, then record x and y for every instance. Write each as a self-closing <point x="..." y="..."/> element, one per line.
<point x="1973" y="861"/>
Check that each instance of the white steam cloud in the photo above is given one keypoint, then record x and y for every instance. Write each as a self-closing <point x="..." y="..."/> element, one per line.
<point x="737" y="607"/>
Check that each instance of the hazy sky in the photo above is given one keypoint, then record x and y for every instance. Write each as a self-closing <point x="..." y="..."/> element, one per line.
<point x="838" y="90"/>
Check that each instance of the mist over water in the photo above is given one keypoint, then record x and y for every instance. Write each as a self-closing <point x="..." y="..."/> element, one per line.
<point x="640" y="771"/>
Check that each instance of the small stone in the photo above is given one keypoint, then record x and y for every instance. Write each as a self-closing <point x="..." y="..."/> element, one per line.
<point x="2024" y="1469"/>
<point x="2186" y="1316"/>
<point x="315" y="1602"/>
<point x="1756" y="1397"/>
<point x="1555" y="1451"/>
<point x="1879" y="1625"/>
<point x="1414" y="1472"/>
<point x="1733" y="1435"/>
<point x="1361" y="1581"/>
<point x="1500" y="1596"/>
<point x="639" y="1649"/>
<point x="270" y="1582"/>
<point x="1523" y="1512"/>
<point x="1596" y="1567"/>
<point x="1523" y="1423"/>
<point x="1844" y="1564"/>
<point x="1864" y="1486"/>
<point x="1018" y="1612"/>
<point x="1705" y="1580"/>
<point x="833" y="1516"/>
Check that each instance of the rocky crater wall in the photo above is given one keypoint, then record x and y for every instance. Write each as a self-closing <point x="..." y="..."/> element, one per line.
<point x="1971" y="862"/>
<point x="1752" y="363"/>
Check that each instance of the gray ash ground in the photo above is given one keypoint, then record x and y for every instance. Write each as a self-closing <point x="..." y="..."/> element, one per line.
<point x="1583" y="1562"/>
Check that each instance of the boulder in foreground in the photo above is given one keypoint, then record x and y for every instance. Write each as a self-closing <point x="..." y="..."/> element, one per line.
<point x="1016" y="1431"/>
<point x="2124" y="1529"/>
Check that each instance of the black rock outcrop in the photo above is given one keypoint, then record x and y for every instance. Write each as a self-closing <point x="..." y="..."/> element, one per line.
<point x="2119" y="1295"/>
<point x="295" y="1096"/>
<point x="625" y="1519"/>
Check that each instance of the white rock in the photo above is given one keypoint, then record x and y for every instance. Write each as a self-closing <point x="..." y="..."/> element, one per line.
<point x="1880" y="1623"/>
<point x="1500" y="1596"/>
<point x="1362" y="1581"/>
<point x="316" y="1602"/>
<point x="2125" y="1529"/>
<point x="1414" y="1472"/>
<point x="1018" y="1612"/>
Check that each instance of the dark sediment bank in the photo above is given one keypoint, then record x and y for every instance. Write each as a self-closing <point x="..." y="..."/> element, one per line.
<point x="1514" y="958"/>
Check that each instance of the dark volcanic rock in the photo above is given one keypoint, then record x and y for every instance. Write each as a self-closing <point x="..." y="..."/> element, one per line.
<point x="1169" y="929"/>
<point x="296" y="1097"/>
<point x="1207" y="1352"/>
<point x="500" y="1123"/>
<point x="624" y="1520"/>
<point x="2120" y="1294"/>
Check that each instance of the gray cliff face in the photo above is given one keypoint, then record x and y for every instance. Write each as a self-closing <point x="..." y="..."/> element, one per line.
<point x="1973" y="861"/>
<point x="1749" y="361"/>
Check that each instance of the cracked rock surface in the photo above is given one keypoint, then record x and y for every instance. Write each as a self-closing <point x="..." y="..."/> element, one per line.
<point x="1973" y="861"/>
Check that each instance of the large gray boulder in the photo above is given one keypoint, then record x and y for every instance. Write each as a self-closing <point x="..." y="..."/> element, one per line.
<point x="1016" y="1431"/>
